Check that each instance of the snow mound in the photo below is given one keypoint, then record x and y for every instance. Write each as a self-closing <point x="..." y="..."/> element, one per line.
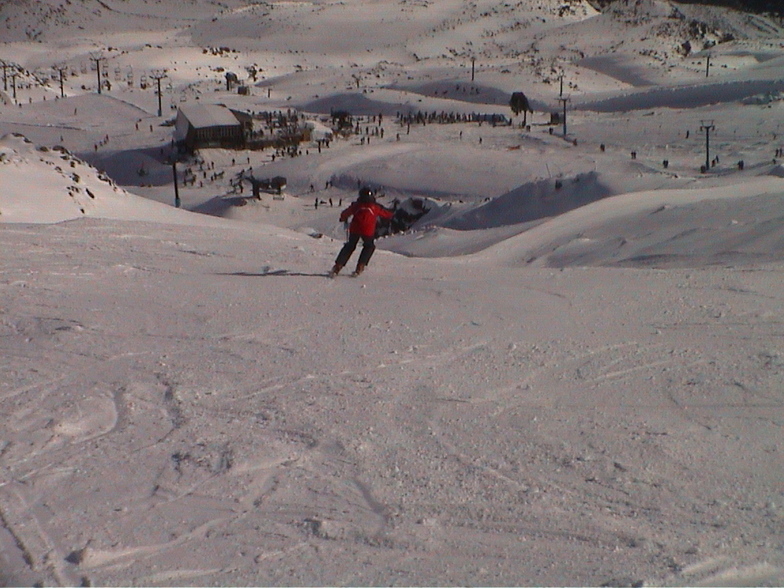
<point x="42" y="185"/>
<point x="732" y="225"/>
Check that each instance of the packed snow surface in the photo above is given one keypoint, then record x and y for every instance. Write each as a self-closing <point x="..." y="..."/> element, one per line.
<point x="568" y="371"/>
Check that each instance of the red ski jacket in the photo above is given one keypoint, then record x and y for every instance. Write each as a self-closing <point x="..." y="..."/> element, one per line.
<point x="364" y="216"/>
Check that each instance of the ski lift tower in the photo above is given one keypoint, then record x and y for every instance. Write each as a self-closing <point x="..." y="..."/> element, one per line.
<point x="707" y="126"/>
<point x="564" y="100"/>
<point x="6" y="66"/>
<point x="14" y="75"/>
<point x="98" y="57"/>
<point x="158" y="75"/>
<point x="61" y="68"/>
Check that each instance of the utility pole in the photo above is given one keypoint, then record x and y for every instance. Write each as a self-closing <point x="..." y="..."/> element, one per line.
<point x="473" y="68"/>
<point x="60" y="68"/>
<point x="97" y="58"/>
<point x="707" y="126"/>
<point x="158" y="75"/>
<point x="564" y="100"/>
<point x="707" y="65"/>
<point x="562" y="80"/>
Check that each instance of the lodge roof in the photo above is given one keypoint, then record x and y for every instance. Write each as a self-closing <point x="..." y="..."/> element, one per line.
<point x="202" y="116"/>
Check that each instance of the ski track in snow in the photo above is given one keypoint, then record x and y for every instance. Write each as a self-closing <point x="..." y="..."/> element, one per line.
<point x="593" y="401"/>
<point x="474" y="394"/>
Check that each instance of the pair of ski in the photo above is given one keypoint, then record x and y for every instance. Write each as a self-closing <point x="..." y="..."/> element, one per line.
<point x="333" y="274"/>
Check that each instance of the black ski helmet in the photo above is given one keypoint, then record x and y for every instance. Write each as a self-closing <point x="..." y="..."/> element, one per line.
<point x="366" y="194"/>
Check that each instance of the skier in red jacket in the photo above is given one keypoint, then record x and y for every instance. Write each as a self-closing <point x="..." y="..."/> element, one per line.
<point x="364" y="213"/>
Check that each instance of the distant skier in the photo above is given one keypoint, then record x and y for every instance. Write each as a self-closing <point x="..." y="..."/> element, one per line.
<point x="364" y="213"/>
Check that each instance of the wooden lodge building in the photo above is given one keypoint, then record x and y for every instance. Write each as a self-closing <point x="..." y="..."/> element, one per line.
<point x="208" y="125"/>
<point x="200" y="126"/>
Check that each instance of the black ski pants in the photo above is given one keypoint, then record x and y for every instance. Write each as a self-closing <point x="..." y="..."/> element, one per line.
<point x="368" y="247"/>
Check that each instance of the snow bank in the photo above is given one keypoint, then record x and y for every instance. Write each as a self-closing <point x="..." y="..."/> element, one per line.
<point x="43" y="185"/>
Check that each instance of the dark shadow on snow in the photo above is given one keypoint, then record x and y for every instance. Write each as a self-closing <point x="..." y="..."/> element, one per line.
<point x="280" y="272"/>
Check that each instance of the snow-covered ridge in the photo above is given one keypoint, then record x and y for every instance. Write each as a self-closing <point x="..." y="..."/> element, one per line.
<point x="43" y="185"/>
<point x="568" y="371"/>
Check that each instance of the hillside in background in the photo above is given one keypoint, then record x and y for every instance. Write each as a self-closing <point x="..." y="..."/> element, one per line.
<point x="759" y="6"/>
<point x="774" y="7"/>
<point x="566" y="368"/>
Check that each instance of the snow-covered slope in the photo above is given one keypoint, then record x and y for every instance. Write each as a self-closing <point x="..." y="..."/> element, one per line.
<point x="665" y="228"/>
<point x="572" y="376"/>
<point x="42" y="185"/>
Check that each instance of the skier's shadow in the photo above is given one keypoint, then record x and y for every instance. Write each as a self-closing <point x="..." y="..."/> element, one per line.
<point x="278" y="272"/>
